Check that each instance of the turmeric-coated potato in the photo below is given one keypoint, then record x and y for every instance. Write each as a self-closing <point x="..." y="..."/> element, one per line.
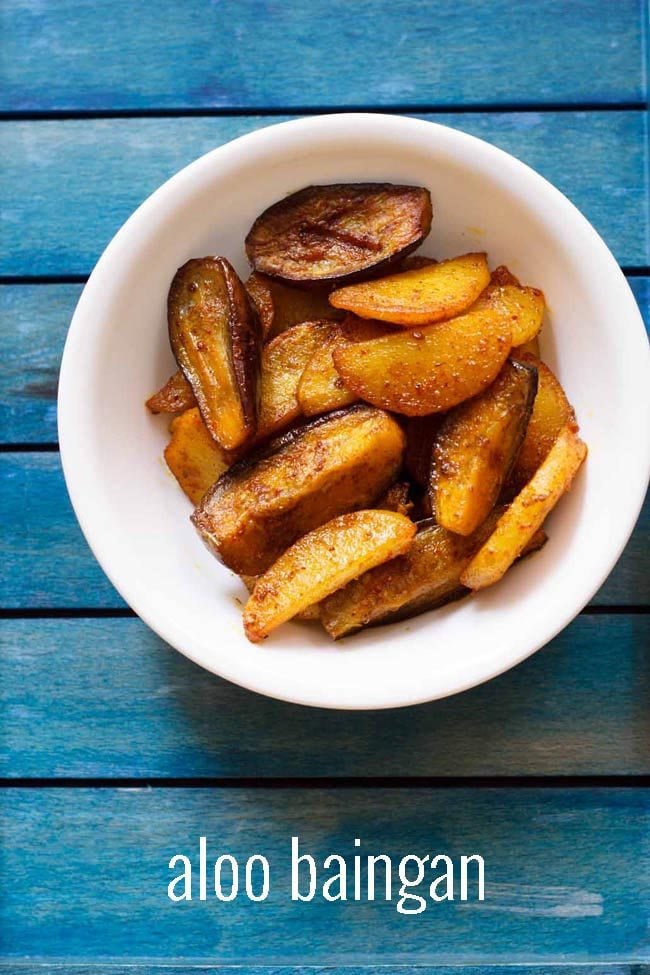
<point x="321" y="388"/>
<point x="420" y="296"/>
<point x="523" y="307"/>
<point x="193" y="457"/>
<point x="476" y="447"/>
<point x="429" y="369"/>
<point x="321" y="562"/>
<point x="175" y="396"/>
<point x="525" y="515"/>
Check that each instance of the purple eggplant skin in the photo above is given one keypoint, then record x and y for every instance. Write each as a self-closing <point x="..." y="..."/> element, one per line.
<point x="339" y="233"/>
<point x="216" y="337"/>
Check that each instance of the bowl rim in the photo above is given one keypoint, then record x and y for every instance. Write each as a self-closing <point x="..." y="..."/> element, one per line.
<point x="71" y="439"/>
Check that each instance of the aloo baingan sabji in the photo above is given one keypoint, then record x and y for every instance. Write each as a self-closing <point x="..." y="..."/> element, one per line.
<point x="365" y="435"/>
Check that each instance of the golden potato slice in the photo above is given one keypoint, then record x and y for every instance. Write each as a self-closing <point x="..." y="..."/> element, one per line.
<point x="476" y="447"/>
<point x="340" y="462"/>
<point x="551" y="412"/>
<point x="420" y="296"/>
<point x="280" y="306"/>
<point x="311" y="614"/>
<point x="321" y="388"/>
<point x="431" y="369"/>
<point x="283" y="363"/>
<point x="175" y="396"/>
<point x="396" y="498"/>
<point x="521" y="520"/>
<point x="342" y="231"/>
<point x="321" y="562"/>
<point x="193" y="457"/>
<point x="215" y="336"/>
<point x="523" y="307"/>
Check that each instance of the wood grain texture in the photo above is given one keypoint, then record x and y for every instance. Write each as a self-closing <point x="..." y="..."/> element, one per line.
<point x="102" y="169"/>
<point x="149" y="968"/>
<point x="51" y="565"/>
<point x="247" y="53"/>
<point x="106" y="698"/>
<point x="33" y="324"/>
<point x="567" y="875"/>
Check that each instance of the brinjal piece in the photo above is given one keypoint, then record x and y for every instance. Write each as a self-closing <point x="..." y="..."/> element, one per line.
<point x="215" y="336"/>
<point x="339" y="232"/>
<point x="476" y="447"/>
<point x="337" y="463"/>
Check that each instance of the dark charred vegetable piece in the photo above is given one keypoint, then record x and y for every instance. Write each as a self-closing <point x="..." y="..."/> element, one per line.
<point x="421" y="433"/>
<point x="476" y="447"/>
<point x="339" y="232"/>
<point x="338" y="463"/>
<point x="215" y="336"/>
<point x="175" y="396"/>
<point x="426" y="577"/>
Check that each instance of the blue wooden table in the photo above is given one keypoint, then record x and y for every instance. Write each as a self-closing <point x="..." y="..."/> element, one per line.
<point x="115" y="751"/>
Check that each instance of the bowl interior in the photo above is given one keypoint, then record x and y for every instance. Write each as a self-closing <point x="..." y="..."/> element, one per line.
<point x="135" y="516"/>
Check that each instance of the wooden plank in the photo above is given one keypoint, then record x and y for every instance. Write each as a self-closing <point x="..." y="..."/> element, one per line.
<point x="51" y="565"/>
<point x="597" y="158"/>
<point x="34" y="320"/>
<point x="146" y="968"/>
<point x="241" y="54"/>
<point x="181" y="719"/>
<point x="566" y="875"/>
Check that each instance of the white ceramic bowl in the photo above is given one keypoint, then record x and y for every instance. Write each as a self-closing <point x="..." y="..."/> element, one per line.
<point x="135" y="517"/>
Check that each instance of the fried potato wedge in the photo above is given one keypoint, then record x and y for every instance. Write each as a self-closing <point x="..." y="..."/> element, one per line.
<point x="337" y="463"/>
<point x="476" y="448"/>
<point x="420" y="296"/>
<point x="396" y="498"/>
<point x="311" y="614"/>
<point x="175" y="396"/>
<point x="525" y="515"/>
<point x="193" y="457"/>
<point x="215" y="336"/>
<point x="523" y="307"/>
<point x="551" y="413"/>
<point x="321" y="562"/>
<point x="283" y="362"/>
<point x="338" y="232"/>
<point x="279" y="306"/>
<point x="426" y="577"/>
<point x="321" y="388"/>
<point x="431" y="369"/>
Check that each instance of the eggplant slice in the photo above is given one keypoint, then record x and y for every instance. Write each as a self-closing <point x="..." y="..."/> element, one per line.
<point x="216" y="338"/>
<point x="340" y="232"/>
<point x="337" y="463"/>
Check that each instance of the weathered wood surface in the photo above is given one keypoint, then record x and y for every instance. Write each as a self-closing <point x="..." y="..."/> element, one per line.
<point x="102" y="169"/>
<point x="325" y="53"/>
<point x="567" y="875"/>
<point x="105" y="698"/>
